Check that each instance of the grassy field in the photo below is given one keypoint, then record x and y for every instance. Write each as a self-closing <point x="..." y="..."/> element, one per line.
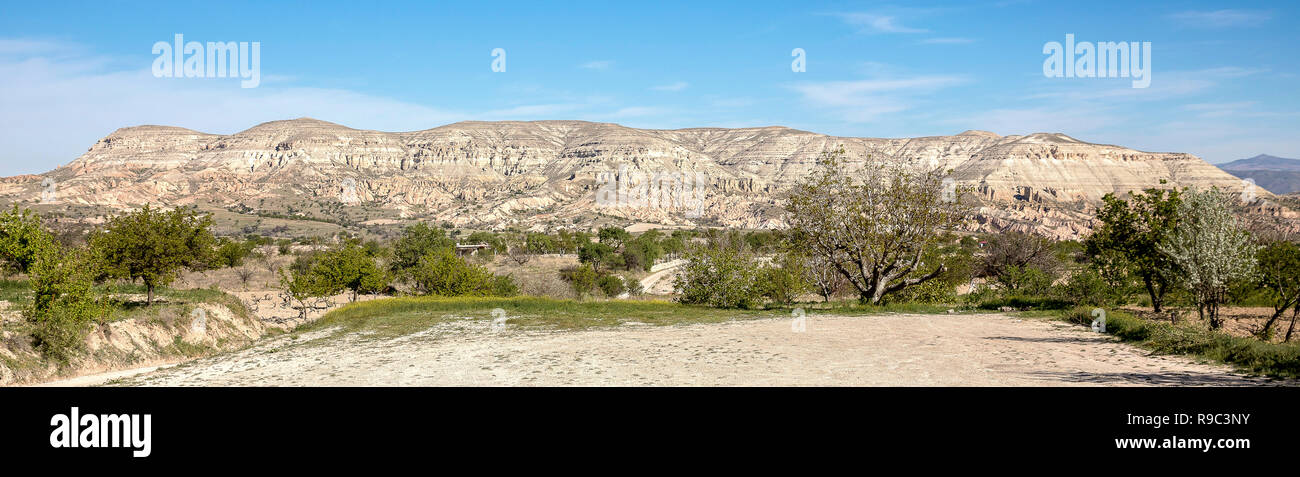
<point x="1247" y="354"/>
<point x="400" y="316"/>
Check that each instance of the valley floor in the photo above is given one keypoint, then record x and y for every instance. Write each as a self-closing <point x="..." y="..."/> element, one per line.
<point x="881" y="350"/>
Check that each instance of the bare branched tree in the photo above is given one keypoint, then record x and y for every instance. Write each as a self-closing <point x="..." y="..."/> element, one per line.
<point x="873" y="224"/>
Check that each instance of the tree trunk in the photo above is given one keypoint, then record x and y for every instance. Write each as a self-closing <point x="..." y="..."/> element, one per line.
<point x="1294" y="313"/>
<point x="149" y="300"/>
<point x="1151" y="291"/>
<point x="1267" y="332"/>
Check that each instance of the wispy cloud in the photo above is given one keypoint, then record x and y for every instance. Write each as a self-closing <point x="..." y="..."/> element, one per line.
<point x="876" y="23"/>
<point x="59" y="99"/>
<point x="867" y="100"/>
<point x="1221" y="18"/>
<point x="597" y="65"/>
<point x="947" y="41"/>
<point x="673" y="87"/>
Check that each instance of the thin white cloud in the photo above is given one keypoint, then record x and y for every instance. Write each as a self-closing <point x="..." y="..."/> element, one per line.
<point x="674" y="87"/>
<point x="1221" y="18"/>
<point x="870" y="99"/>
<point x="58" y="101"/>
<point x="597" y="65"/>
<point x="947" y="41"/>
<point x="876" y="23"/>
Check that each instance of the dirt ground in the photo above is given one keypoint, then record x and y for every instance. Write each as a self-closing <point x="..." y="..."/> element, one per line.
<point x="1243" y="321"/>
<point x="886" y="350"/>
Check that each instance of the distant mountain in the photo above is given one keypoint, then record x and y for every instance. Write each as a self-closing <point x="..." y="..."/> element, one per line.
<point x="1262" y="162"/>
<point x="1278" y="175"/>
<point x="549" y="174"/>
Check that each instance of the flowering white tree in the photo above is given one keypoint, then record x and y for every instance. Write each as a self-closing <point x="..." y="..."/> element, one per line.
<point x="1210" y="249"/>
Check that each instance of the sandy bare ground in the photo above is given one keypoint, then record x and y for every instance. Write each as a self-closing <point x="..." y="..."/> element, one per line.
<point x="888" y="350"/>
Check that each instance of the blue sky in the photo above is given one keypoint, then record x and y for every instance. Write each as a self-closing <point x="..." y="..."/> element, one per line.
<point x="1223" y="83"/>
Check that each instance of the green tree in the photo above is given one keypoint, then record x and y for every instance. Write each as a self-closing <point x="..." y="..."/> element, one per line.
<point x="22" y="239"/>
<point x="1134" y="229"/>
<point x="1279" y="276"/>
<point x="349" y="267"/>
<point x="539" y="243"/>
<point x="614" y="237"/>
<point x="230" y="254"/>
<point x="595" y="253"/>
<point x="442" y="273"/>
<point x="153" y="245"/>
<point x="64" y="306"/>
<point x="416" y="242"/>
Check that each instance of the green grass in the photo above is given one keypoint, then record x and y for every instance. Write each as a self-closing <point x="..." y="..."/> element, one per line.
<point x="18" y="292"/>
<point x="1248" y="354"/>
<point x="400" y="316"/>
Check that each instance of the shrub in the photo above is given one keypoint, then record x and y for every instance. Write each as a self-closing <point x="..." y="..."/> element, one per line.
<point x="416" y="242"/>
<point x="64" y="306"/>
<point x="1250" y="354"/>
<point x="442" y="273"/>
<point x="610" y="284"/>
<point x="783" y="282"/>
<point x="719" y="277"/>
<point x="633" y="286"/>
<point x="22" y="239"/>
<point x="581" y="278"/>
<point x="230" y="254"/>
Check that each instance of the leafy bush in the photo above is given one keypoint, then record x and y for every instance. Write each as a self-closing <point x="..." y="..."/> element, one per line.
<point x="633" y="286"/>
<point x="418" y="241"/>
<point x="612" y="285"/>
<point x="595" y="253"/>
<point x="582" y="278"/>
<point x="443" y="273"/>
<point x="1088" y="287"/>
<point x="64" y="306"/>
<point x="784" y="281"/>
<point x="22" y="239"/>
<point x="719" y="277"/>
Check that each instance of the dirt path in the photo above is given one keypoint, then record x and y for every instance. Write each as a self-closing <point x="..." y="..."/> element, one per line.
<point x="906" y="350"/>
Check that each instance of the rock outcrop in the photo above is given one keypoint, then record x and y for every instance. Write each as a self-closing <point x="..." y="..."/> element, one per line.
<point x="543" y="174"/>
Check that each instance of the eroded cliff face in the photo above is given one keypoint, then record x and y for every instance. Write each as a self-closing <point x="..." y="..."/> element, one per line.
<point x="544" y="173"/>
